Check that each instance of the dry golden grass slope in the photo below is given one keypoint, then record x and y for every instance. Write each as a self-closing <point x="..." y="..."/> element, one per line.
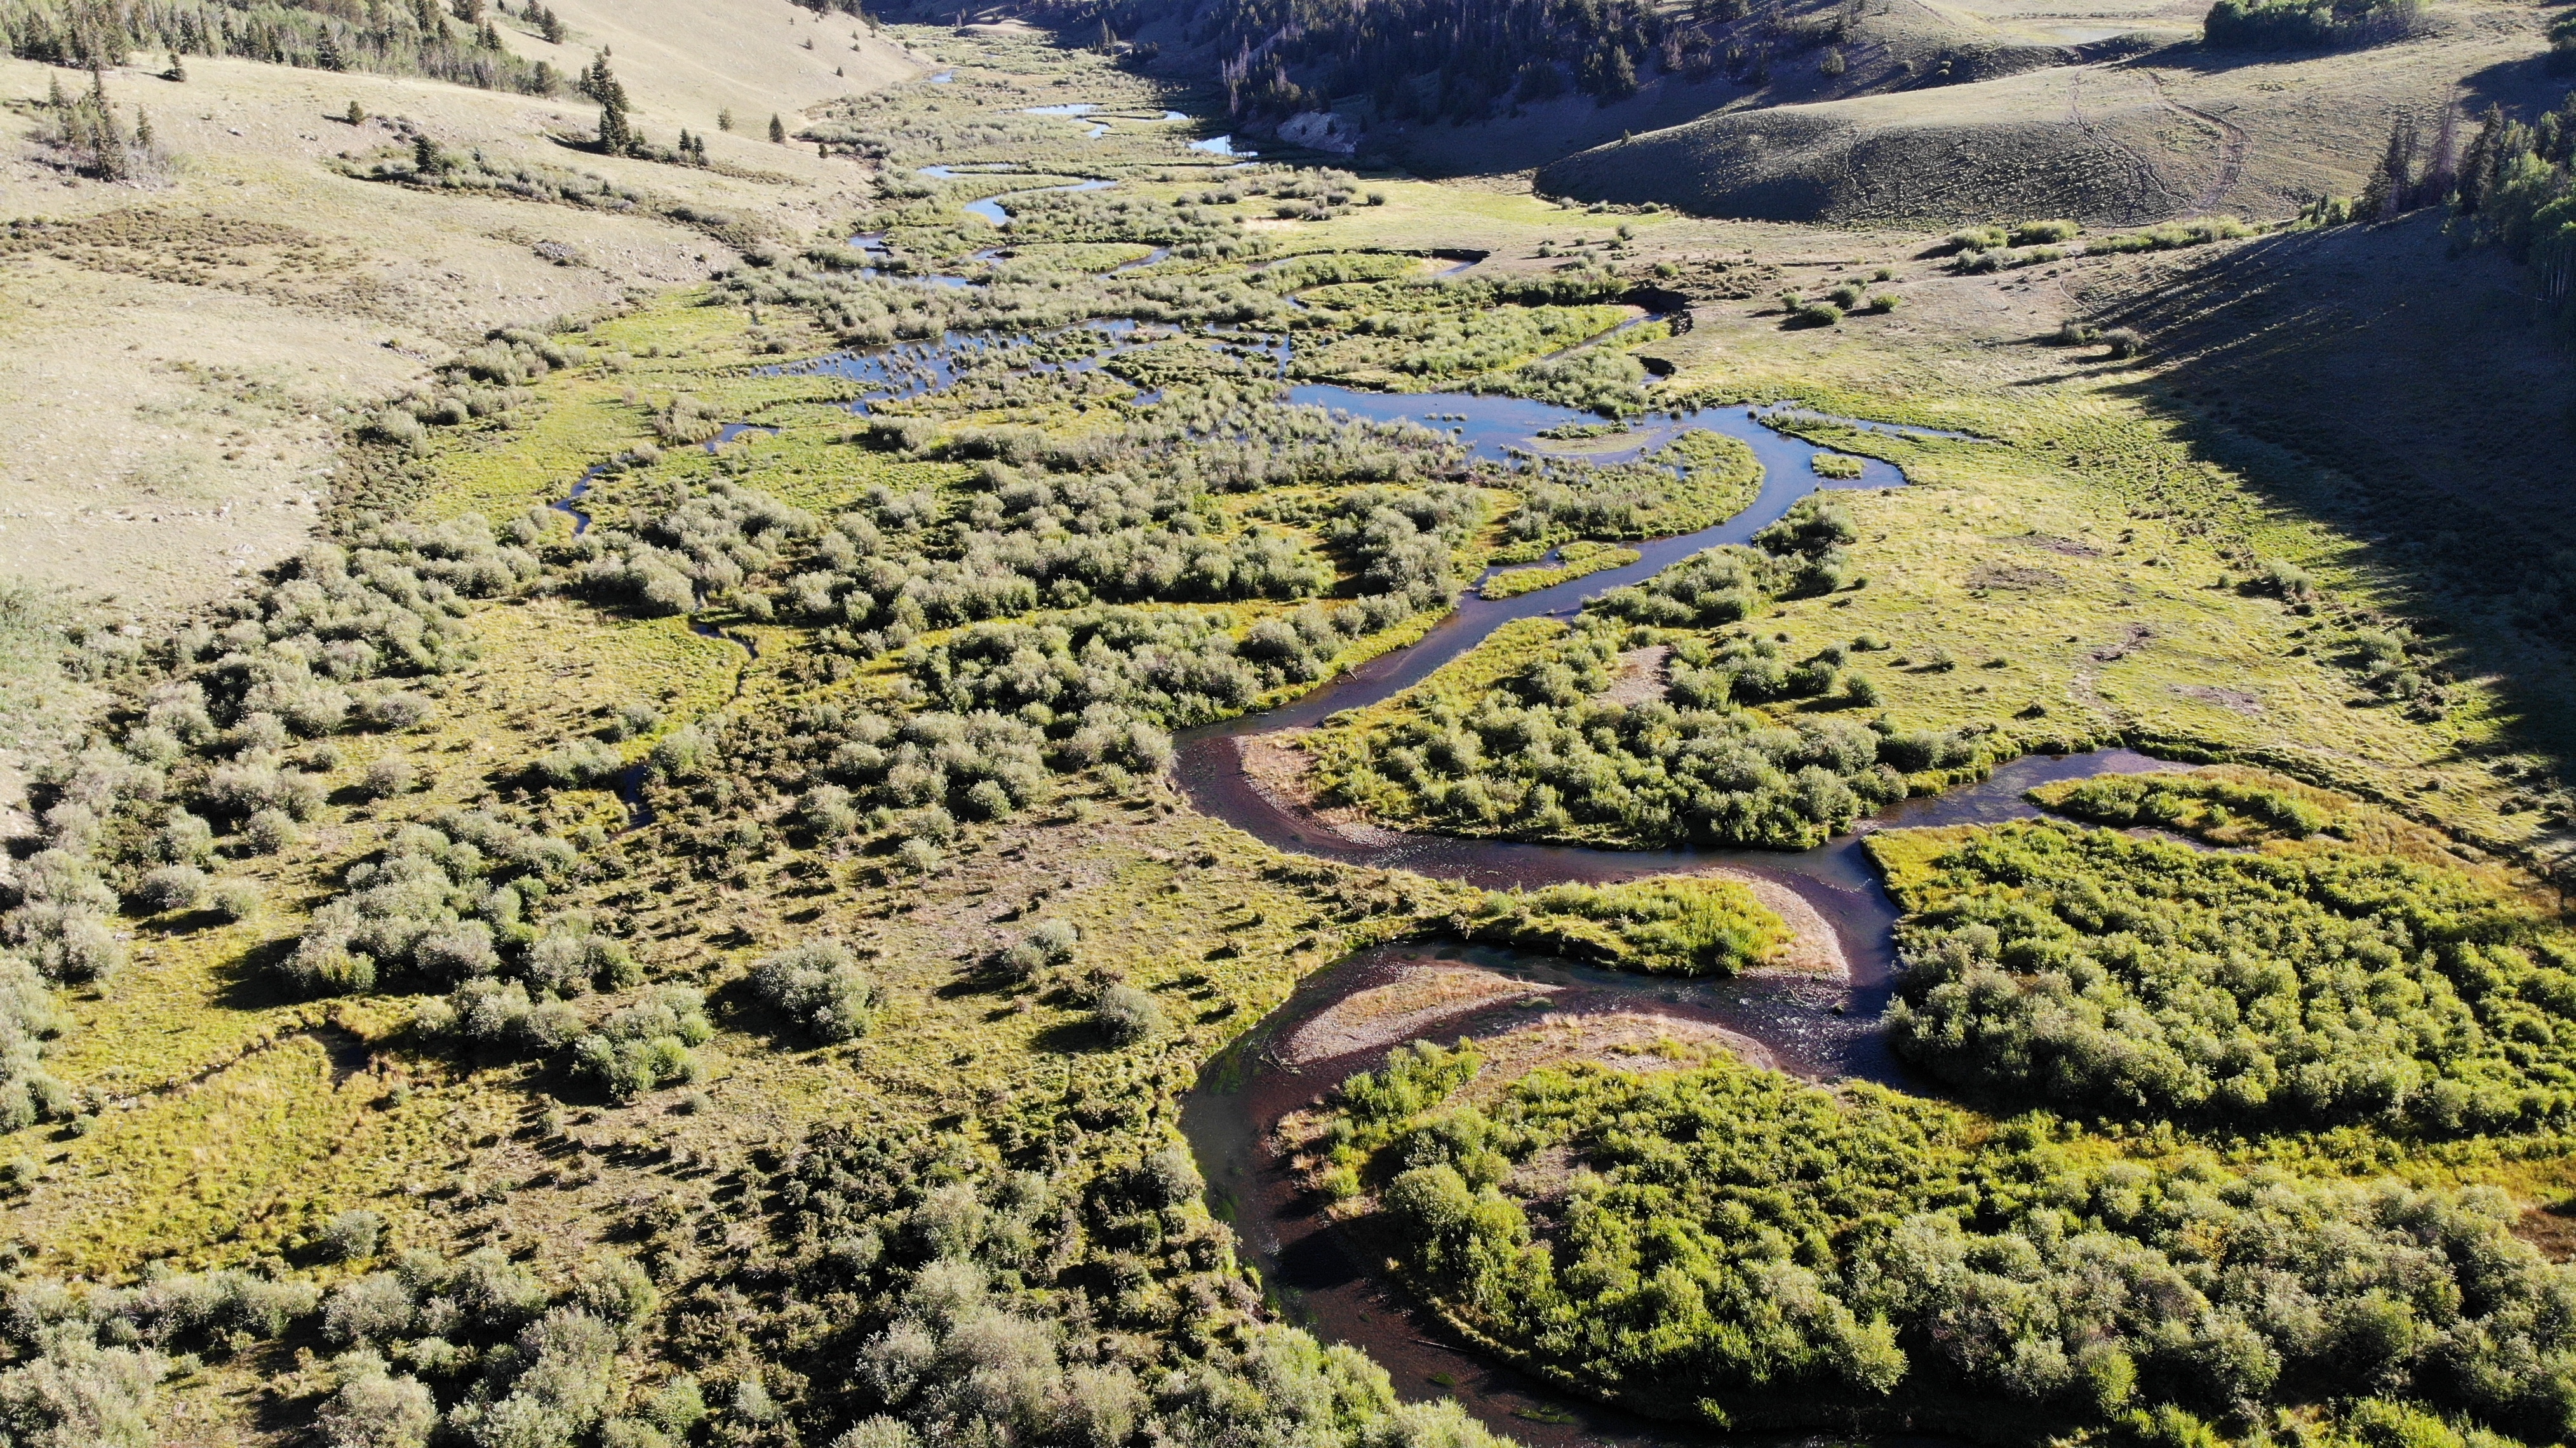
<point x="2176" y="132"/>
<point x="172" y="425"/>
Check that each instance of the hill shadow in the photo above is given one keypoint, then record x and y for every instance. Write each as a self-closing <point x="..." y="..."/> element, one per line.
<point x="2414" y="395"/>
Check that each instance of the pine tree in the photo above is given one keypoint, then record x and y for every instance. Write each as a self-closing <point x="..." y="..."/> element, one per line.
<point x="2485" y="158"/>
<point x="425" y="15"/>
<point x="425" y="157"/>
<point x="1108" y="38"/>
<point x="616" y="133"/>
<point x="178" y="70"/>
<point x="489" y="37"/>
<point x="143" y="130"/>
<point x="724" y="120"/>
<point x="469" y="11"/>
<point x="2392" y="180"/>
<point x="550" y="25"/>
<point x="326" y="51"/>
<point x="55" y="100"/>
<point x="357" y="114"/>
<point x="777" y="129"/>
<point x="2442" y="167"/>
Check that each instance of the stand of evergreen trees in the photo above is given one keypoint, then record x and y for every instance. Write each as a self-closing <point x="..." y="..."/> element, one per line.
<point x="415" y="38"/>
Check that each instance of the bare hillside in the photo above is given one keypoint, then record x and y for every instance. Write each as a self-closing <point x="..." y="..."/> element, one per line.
<point x="177" y="343"/>
<point x="2175" y="132"/>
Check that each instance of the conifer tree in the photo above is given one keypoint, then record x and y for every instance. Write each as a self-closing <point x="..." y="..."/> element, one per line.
<point x="2392" y="181"/>
<point x="616" y="132"/>
<point x="777" y="129"/>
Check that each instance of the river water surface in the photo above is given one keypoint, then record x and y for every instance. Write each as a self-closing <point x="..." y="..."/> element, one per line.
<point x="1815" y="1027"/>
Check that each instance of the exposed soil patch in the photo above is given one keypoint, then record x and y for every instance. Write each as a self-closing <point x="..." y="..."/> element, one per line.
<point x="2551" y="1229"/>
<point x="2240" y="700"/>
<point x="2017" y="578"/>
<point x="2127" y="644"/>
<point x="1416" y="999"/>
<point x="1643" y="673"/>
<point x="2051" y="543"/>
<point x="1283" y="774"/>
<point x="1813" y="948"/>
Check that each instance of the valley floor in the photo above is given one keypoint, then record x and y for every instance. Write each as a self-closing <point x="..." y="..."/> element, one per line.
<point x="718" y="953"/>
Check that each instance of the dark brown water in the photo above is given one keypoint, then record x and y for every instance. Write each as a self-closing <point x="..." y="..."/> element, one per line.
<point x="1817" y="1028"/>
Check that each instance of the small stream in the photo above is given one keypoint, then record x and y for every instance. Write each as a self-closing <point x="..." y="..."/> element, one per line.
<point x="1818" y="1028"/>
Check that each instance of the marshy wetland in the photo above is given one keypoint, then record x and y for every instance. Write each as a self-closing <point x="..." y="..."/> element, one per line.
<point x="1155" y="791"/>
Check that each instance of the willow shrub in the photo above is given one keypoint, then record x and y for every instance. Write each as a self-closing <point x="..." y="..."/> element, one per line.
<point x="1733" y="1245"/>
<point x="1683" y="925"/>
<point x="2097" y="972"/>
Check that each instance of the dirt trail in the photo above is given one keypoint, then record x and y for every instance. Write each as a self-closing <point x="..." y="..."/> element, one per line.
<point x="2235" y="143"/>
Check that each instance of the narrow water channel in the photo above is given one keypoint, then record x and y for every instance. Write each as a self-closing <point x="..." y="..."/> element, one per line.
<point x="1815" y="1027"/>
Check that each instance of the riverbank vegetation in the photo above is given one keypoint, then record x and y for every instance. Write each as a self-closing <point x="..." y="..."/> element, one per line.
<point x="1678" y="925"/>
<point x="2126" y="977"/>
<point x="1733" y="1247"/>
<point x="713" y="958"/>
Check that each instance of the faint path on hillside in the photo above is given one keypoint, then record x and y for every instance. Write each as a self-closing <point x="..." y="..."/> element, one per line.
<point x="2146" y="166"/>
<point x="2236" y="144"/>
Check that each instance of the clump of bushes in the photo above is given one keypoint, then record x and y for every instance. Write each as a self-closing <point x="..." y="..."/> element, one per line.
<point x="645" y="1046"/>
<point x="1049" y="942"/>
<point x="444" y="903"/>
<point x="1676" y="925"/>
<point x="819" y="986"/>
<point x="2096" y="972"/>
<point x="1540" y="756"/>
<point x="2216" y="807"/>
<point x="2308" y="24"/>
<point x="1126" y="1015"/>
<point x="2166" y="236"/>
<point x="29" y="1017"/>
<point x="2104" y="1290"/>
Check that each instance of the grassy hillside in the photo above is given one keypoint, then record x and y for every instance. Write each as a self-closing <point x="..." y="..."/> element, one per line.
<point x="2179" y="131"/>
<point x="181" y="343"/>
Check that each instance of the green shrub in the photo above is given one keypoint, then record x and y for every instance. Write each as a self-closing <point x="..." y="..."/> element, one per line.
<point x="1795" y="1251"/>
<point x="1678" y="925"/>
<point x="350" y="1235"/>
<point x="172" y="887"/>
<point x="1126" y="1015"/>
<point x="820" y="987"/>
<point x="2095" y="972"/>
<point x="645" y="1046"/>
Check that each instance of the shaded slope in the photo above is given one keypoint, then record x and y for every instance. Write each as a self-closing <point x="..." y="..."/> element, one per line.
<point x="2436" y="399"/>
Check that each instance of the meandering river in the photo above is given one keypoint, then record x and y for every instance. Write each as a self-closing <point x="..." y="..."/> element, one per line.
<point x="1816" y="1026"/>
